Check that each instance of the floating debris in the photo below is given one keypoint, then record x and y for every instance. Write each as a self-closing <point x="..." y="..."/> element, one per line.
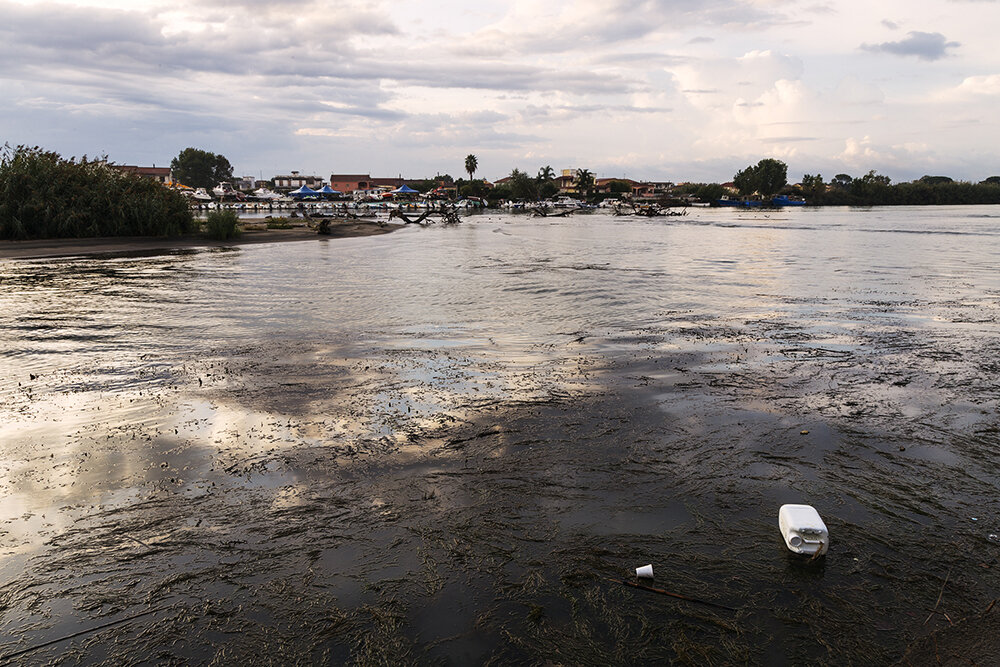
<point x="803" y="530"/>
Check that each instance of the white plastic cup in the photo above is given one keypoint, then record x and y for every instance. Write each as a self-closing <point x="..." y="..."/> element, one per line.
<point x="644" y="572"/>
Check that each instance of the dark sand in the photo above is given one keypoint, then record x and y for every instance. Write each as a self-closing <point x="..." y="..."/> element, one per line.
<point x="37" y="248"/>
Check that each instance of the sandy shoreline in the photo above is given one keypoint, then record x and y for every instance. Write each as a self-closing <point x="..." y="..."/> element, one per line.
<point x="40" y="248"/>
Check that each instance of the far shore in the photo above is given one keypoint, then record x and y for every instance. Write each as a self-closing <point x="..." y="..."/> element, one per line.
<point x="62" y="247"/>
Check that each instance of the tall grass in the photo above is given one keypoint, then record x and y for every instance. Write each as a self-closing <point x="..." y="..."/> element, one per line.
<point x="43" y="195"/>
<point x="222" y="225"/>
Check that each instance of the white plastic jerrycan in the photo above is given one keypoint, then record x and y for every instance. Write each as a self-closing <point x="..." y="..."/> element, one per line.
<point x="803" y="530"/>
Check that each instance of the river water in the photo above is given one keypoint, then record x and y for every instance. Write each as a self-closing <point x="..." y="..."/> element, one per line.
<point x="450" y="444"/>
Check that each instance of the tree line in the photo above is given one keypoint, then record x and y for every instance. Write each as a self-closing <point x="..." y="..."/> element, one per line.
<point x="769" y="177"/>
<point x="873" y="189"/>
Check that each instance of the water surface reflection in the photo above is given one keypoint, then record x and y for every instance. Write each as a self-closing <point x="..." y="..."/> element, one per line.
<point x="440" y="443"/>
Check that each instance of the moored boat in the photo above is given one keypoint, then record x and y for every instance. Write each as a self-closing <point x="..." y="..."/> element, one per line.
<point x="739" y="202"/>
<point x="787" y="200"/>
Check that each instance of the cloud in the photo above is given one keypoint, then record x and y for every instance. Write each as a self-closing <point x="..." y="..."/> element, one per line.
<point x="583" y="25"/>
<point x="865" y="154"/>
<point x="566" y="112"/>
<point x="973" y="87"/>
<point x="783" y="140"/>
<point x="644" y="59"/>
<point x="923" y="45"/>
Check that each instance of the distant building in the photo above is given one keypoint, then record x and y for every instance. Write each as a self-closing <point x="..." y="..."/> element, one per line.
<point x="245" y="183"/>
<point x="604" y="184"/>
<point x="391" y="183"/>
<point x="295" y="180"/>
<point x="159" y="174"/>
<point x="348" y="183"/>
<point x="652" y="189"/>
<point x="566" y="181"/>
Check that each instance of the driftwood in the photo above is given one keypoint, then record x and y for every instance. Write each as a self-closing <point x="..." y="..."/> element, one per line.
<point x="396" y="213"/>
<point x="647" y="210"/>
<point x="543" y="212"/>
<point x="633" y="584"/>
<point x="16" y="654"/>
<point x="346" y="213"/>
<point x="449" y="216"/>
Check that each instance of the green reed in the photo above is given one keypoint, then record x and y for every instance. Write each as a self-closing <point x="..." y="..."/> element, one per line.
<point x="43" y="195"/>
<point x="222" y="225"/>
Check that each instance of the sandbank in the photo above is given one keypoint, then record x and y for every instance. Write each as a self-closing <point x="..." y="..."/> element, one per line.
<point x="39" y="248"/>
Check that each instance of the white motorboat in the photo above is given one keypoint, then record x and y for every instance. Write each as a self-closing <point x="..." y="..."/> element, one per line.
<point x="567" y="202"/>
<point x="264" y="194"/>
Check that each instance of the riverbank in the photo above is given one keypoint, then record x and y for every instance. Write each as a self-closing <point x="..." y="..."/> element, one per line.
<point x="38" y="248"/>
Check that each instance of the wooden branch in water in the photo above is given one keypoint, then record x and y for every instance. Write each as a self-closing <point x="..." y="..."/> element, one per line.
<point x="396" y="213"/>
<point x="673" y="595"/>
<point x="16" y="654"/>
<point x="934" y="611"/>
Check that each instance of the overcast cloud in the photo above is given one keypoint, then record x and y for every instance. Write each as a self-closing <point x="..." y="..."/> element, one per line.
<point x="923" y="45"/>
<point x="659" y="89"/>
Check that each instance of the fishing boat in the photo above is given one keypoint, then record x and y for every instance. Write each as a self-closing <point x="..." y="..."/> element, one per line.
<point x="739" y="202"/>
<point x="777" y="201"/>
<point x="787" y="200"/>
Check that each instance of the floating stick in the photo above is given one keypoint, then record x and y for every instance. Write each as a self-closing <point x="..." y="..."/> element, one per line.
<point x="673" y="595"/>
<point x="16" y="654"/>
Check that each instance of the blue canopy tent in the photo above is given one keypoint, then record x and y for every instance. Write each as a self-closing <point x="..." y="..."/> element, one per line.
<point x="403" y="190"/>
<point x="328" y="193"/>
<point x="303" y="192"/>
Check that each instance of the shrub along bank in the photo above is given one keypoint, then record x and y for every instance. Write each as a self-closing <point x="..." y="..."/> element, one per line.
<point x="43" y="195"/>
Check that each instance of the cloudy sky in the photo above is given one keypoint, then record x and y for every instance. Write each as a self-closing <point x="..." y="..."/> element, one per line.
<point x="658" y="89"/>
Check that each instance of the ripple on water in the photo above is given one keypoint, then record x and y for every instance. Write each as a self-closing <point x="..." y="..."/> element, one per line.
<point x="440" y="444"/>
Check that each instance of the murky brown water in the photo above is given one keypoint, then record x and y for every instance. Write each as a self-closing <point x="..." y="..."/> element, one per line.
<point x="439" y="445"/>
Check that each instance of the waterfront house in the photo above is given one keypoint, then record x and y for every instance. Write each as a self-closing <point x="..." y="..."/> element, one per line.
<point x="652" y="189"/>
<point x="603" y="185"/>
<point x="357" y="183"/>
<point x="159" y="174"/>
<point x="566" y="181"/>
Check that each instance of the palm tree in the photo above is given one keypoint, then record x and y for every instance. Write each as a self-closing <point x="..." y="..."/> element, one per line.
<point x="584" y="182"/>
<point x="471" y="164"/>
<point x="546" y="174"/>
